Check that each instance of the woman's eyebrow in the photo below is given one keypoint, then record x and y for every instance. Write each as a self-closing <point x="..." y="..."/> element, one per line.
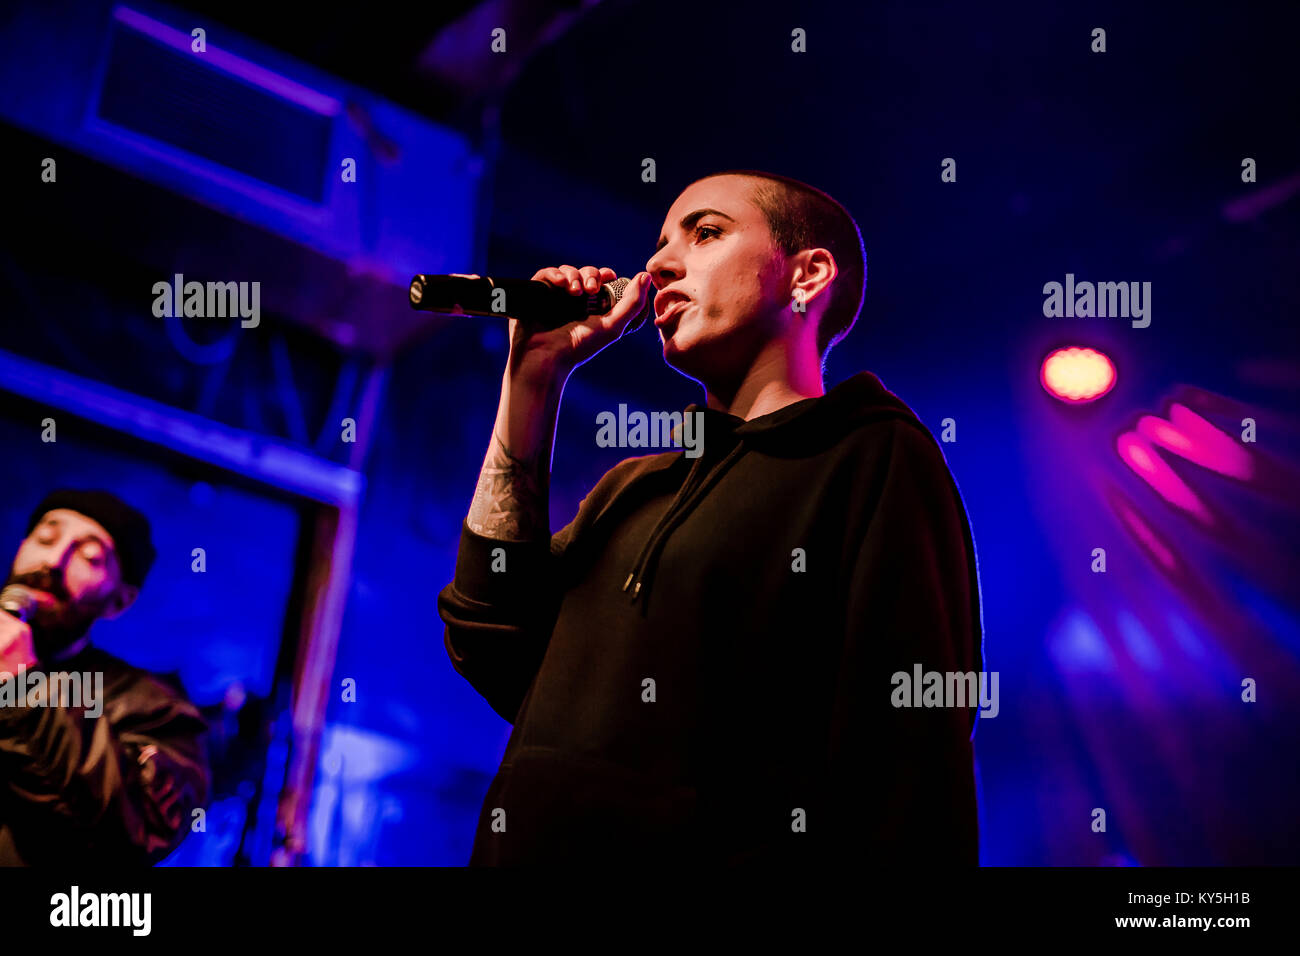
<point x="690" y="219"/>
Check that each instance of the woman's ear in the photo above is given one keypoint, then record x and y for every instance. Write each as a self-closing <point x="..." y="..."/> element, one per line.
<point x="122" y="599"/>
<point x="814" y="271"/>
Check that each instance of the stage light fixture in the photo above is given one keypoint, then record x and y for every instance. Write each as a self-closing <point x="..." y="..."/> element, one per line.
<point x="1077" y="375"/>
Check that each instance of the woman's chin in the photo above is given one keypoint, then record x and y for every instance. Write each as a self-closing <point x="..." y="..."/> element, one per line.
<point x="674" y="354"/>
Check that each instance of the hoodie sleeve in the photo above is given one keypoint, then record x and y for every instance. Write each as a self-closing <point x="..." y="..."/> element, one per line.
<point x="499" y="611"/>
<point x="902" y="778"/>
<point x="117" y="790"/>
<point x="502" y="604"/>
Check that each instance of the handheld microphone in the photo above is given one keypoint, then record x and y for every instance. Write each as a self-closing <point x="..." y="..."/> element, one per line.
<point x="528" y="300"/>
<point x="18" y="601"/>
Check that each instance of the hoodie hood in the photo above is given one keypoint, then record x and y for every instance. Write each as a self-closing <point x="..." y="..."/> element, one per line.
<point x="804" y="427"/>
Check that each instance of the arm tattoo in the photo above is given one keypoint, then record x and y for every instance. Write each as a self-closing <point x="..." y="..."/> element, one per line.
<point x="510" y="500"/>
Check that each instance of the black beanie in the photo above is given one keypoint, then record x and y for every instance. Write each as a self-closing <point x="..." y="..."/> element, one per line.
<point x="129" y="528"/>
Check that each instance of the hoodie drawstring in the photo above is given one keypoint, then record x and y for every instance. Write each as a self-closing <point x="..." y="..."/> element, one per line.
<point x="642" y="573"/>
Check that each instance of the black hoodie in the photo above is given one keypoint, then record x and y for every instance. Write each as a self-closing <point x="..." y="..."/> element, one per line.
<point x="699" y="666"/>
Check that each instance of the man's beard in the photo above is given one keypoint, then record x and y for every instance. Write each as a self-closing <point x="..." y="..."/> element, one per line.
<point x="54" y="628"/>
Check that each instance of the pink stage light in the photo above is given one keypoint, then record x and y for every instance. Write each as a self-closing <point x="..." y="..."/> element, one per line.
<point x="1137" y="453"/>
<point x="1190" y="436"/>
<point x="1077" y="375"/>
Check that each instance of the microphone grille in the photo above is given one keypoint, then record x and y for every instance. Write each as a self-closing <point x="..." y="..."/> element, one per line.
<point x="18" y="601"/>
<point x="616" y="289"/>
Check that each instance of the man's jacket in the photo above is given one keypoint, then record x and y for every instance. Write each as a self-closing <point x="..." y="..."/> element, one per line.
<point x="116" y="789"/>
<point x="701" y="666"/>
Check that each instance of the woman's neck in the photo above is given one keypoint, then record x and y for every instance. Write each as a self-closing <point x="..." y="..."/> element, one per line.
<point x="771" y="383"/>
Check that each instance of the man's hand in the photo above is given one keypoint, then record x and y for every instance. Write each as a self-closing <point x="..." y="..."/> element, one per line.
<point x="17" y="651"/>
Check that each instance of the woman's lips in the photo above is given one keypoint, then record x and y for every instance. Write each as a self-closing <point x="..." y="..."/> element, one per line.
<point x="671" y="311"/>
